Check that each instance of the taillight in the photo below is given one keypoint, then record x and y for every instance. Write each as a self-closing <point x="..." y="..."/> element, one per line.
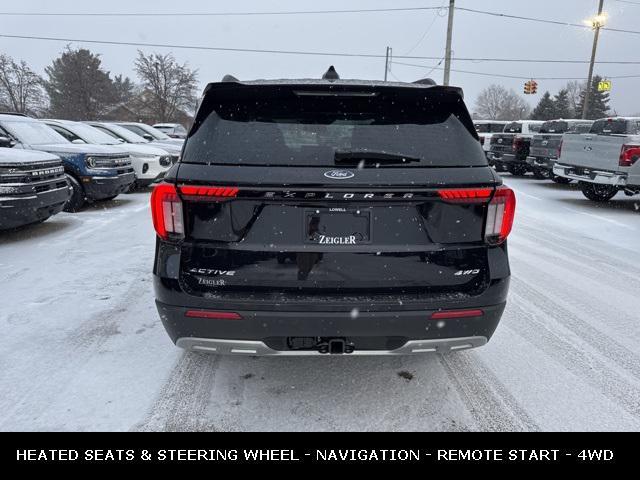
<point x="207" y="193"/>
<point x="466" y="195"/>
<point x="517" y="143"/>
<point x="166" y="210"/>
<point x="629" y="155"/>
<point x="500" y="213"/>
<point x="560" y="149"/>
<point x="481" y="140"/>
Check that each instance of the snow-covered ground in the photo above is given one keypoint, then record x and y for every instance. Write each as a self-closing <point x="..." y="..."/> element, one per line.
<point x="83" y="349"/>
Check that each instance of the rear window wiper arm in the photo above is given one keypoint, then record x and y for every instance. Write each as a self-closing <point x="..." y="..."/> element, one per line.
<point x="357" y="156"/>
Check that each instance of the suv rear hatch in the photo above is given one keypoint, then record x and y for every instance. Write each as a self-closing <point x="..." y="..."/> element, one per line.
<point x="334" y="188"/>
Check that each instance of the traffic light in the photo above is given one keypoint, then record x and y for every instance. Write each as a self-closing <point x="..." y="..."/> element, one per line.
<point x="530" y="87"/>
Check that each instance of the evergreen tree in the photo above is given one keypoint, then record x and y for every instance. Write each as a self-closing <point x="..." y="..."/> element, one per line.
<point x="78" y="86"/>
<point x="562" y="104"/>
<point x="545" y="110"/>
<point x="598" y="101"/>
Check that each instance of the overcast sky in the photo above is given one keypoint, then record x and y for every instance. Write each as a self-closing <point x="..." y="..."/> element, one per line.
<point x="474" y="36"/>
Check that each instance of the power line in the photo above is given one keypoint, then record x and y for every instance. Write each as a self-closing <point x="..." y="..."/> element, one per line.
<point x="312" y="12"/>
<point x="301" y="52"/>
<point x="211" y="14"/>
<point x="517" y="77"/>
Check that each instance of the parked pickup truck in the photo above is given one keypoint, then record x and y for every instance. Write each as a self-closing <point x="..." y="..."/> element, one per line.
<point x="510" y="149"/>
<point x="545" y="146"/>
<point x="486" y="129"/>
<point x="604" y="161"/>
<point x="95" y="172"/>
<point x="32" y="186"/>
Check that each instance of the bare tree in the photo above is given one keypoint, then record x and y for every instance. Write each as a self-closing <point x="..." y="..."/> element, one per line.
<point x="497" y="103"/>
<point x="21" y="89"/>
<point x="575" y="89"/>
<point x="171" y="86"/>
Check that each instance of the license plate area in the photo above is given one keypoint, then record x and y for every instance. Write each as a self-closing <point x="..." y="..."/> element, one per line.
<point x="337" y="226"/>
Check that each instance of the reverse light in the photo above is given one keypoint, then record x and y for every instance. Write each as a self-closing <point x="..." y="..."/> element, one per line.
<point x="213" y="315"/>
<point x="629" y="155"/>
<point x="166" y="211"/>
<point x="500" y="213"/>
<point x="449" y="314"/>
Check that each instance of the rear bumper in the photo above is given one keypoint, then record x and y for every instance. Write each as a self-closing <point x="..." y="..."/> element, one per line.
<point x="387" y="324"/>
<point x="16" y="211"/>
<point x="591" y="176"/>
<point x="98" y="188"/>
<point x="257" y="348"/>
<point x="541" y="162"/>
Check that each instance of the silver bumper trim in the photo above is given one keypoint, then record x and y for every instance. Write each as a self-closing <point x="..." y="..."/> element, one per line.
<point x="595" y="176"/>
<point x="258" y="348"/>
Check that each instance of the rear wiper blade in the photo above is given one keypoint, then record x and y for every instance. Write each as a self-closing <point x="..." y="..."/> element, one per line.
<point x="363" y="155"/>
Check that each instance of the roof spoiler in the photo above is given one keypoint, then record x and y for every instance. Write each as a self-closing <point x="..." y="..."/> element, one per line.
<point x="426" y="81"/>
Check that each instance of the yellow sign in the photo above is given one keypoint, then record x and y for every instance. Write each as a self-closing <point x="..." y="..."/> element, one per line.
<point x="604" y="86"/>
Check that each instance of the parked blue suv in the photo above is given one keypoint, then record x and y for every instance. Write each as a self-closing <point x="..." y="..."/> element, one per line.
<point x="95" y="172"/>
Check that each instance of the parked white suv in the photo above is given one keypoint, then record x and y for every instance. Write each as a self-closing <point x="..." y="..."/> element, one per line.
<point x="174" y="130"/>
<point x="150" y="163"/>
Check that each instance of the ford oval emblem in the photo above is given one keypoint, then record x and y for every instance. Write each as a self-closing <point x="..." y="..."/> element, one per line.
<point x="339" y="174"/>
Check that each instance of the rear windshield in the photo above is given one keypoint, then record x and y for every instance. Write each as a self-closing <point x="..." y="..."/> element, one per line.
<point x="554" y="127"/>
<point x="489" y="127"/>
<point x="275" y="125"/>
<point x="562" y="126"/>
<point x="513" y="127"/>
<point x="612" y="126"/>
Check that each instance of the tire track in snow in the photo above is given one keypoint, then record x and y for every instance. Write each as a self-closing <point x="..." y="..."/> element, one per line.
<point x="604" y="314"/>
<point x="526" y="322"/>
<point x="487" y="399"/>
<point x="621" y="271"/>
<point x="182" y="402"/>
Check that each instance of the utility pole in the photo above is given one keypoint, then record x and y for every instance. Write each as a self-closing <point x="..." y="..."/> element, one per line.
<point x="447" y="57"/>
<point x="597" y="24"/>
<point x="386" y="63"/>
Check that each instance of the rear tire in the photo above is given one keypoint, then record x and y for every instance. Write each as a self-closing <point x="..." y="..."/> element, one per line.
<point x="541" y="173"/>
<point x="561" y="180"/>
<point x="77" y="199"/>
<point x="598" y="193"/>
<point x="517" y="170"/>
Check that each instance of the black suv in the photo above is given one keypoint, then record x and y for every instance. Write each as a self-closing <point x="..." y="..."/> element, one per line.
<point x="331" y="217"/>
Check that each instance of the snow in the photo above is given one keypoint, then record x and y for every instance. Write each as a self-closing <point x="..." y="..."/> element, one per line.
<point x="83" y="348"/>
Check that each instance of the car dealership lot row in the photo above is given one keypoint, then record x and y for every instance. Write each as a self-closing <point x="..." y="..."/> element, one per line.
<point x="88" y="351"/>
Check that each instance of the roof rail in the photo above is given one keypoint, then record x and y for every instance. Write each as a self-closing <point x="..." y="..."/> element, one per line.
<point x="17" y="114"/>
<point x="229" y="78"/>
<point x="426" y="81"/>
<point x="331" y="74"/>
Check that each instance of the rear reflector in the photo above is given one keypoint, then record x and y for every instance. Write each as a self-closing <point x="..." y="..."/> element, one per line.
<point x="500" y="214"/>
<point x="212" y="315"/>
<point x="456" y="314"/>
<point x="208" y="192"/>
<point x="466" y="195"/>
<point x="166" y="210"/>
